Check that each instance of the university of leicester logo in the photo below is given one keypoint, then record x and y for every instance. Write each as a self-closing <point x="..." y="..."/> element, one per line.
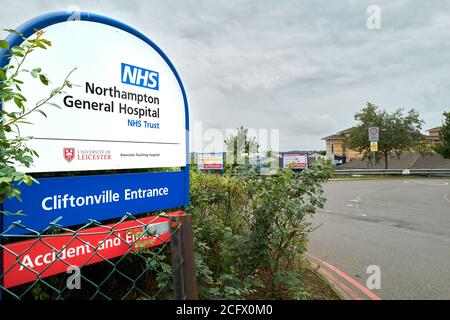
<point x="69" y="154"/>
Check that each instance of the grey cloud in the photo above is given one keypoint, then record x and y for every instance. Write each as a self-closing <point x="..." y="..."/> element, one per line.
<point x="302" y="66"/>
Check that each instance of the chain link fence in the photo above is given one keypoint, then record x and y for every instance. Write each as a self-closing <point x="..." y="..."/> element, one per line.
<point x="134" y="258"/>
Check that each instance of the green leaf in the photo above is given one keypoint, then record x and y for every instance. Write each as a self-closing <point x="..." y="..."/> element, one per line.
<point x="4" y="44"/>
<point x="23" y="121"/>
<point x="68" y="83"/>
<point x="28" y="180"/>
<point x="40" y="45"/>
<point x="47" y="42"/>
<point x="21" y="96"/>
<point x="53" y="105"/>
<point x="18" y="54"/>
<point x="13" y="31"/>
<point x="41" y="112"/>
<point x="18" y="102"/>
<point x="17" y="49"/>
<point x="43" y="79"/>
<point x="56" y="91"/>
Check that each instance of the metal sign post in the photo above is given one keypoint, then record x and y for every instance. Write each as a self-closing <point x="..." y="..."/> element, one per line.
<point x="373" y="149"/>
<point x="374" y="137"/>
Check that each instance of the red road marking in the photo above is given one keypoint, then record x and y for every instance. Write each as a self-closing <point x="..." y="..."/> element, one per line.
<point x="345" y="276"/>
<point x="339" y="283"/>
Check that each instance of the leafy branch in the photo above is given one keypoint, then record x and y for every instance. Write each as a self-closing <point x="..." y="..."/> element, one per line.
<point x="13" y="149"/>
<point x="43" y="102"/>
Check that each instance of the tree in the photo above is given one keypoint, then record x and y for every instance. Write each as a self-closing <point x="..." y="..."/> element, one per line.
<point x="444" y="133"/>
<point x="399" y="132"/>
<point x="239" y="146"/>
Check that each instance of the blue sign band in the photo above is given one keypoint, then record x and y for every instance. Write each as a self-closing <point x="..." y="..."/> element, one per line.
<point x="99" y="197"/>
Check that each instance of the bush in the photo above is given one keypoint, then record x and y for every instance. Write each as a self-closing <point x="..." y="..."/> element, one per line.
<point x="250" y="230"/>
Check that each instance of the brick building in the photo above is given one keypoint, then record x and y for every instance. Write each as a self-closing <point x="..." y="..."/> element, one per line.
<point x="334" y="146"/>
<point x="433" y="136"/>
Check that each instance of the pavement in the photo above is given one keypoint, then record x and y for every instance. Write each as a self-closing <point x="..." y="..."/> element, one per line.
<point x="399" y="227"/>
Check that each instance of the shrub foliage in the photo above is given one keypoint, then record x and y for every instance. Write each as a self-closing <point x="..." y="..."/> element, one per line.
<point x="250" y="230"/>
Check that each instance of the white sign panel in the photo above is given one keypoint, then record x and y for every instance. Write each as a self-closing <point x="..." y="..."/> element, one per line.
<point x="295" y="160"/>
<point x="210" y="161"/>
<point x="374" y="134"/>
<point x="127" y="110"/>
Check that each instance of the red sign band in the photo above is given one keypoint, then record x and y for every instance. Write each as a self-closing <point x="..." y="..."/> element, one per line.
<point x="46" y="256"/>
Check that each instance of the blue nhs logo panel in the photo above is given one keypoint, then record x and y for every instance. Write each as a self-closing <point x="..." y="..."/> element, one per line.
<point x="140" y="77"/>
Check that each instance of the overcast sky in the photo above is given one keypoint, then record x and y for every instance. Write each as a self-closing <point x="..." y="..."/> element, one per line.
<point x="303" y="67"/>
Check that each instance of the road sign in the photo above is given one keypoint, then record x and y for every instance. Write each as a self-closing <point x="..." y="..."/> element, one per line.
<point x="210" y="161"/>
<point x="374" y="134"/>
<point x="128" y="110"/>
<point x="87" y="137"/>
<point x="295" y="160"/>
<point x="374" y="146"/>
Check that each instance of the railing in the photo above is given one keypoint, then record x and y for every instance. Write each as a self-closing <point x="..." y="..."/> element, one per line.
<point x="145" y="258"/>
<point x="417" y="172"/>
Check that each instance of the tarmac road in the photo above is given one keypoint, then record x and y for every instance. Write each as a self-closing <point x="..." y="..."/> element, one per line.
<point x="400" y="225"/>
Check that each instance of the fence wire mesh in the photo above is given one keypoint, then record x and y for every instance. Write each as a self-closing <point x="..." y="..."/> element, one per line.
<point x="128" y="259"/>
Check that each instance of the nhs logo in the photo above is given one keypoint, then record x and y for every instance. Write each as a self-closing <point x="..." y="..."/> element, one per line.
<point x="140" y="77"/>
